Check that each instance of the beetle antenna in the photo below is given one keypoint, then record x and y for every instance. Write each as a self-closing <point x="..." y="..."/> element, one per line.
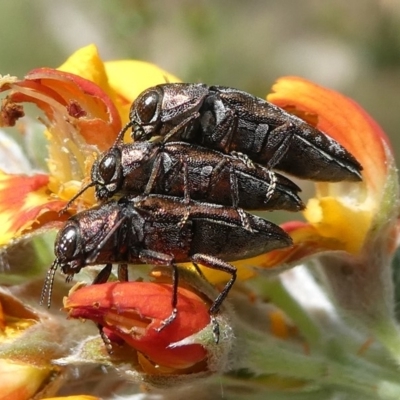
<point x="47" y="290"/>
<point x="92" y="258"/>
<point x="123" y="130"/>
<point x="86" y="187"/>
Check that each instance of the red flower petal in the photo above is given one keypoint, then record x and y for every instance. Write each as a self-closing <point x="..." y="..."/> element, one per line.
<point x="25" y="204"/>
<point x="134" y="310"/>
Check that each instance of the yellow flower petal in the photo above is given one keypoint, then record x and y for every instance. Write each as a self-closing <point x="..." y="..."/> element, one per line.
<point x="20" y="381"/>
<point x="77" y="397"/>
<point x="219" y="277"/>
<point x="331" y="218"/>
<point x="86" y="63"/>
<point x="128" y="78"/>
<point x="307" y="242"/>
<point x="122" y="80"/>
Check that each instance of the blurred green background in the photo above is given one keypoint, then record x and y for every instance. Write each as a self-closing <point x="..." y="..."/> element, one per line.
<point x="352" y="46"/>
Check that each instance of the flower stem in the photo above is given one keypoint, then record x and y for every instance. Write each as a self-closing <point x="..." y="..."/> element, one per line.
<point x="273" y="289"/>
<point x="268" y="355"/>
<point x="388" y="333"/>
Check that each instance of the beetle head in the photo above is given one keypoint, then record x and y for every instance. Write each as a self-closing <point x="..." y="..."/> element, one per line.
<point x="107" y="173"/>
<point x="146" y="112"/>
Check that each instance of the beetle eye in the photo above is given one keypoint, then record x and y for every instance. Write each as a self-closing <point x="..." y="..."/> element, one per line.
<point x="146" y="106"/>
<point x="66" y="243"/>
<point x="107" y="168"/>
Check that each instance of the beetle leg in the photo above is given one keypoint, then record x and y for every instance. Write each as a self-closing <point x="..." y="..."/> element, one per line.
<point x="103" y="275"/>
<point x="244" y="219"/>
<point x="215" y="177"/>
<point x="225" y="129"/>
<point x="271" y="174"/>
<point x="186" y="193"/>
<point x="272" y="185"/>
<point x="279" y="142"/>
<point x="185" y="218"/>
<point x="105" y="339"/>
<point x="244" y="158"/>
<point x="156" y="258"/>
<point x="235" y="198"/>
<point x="198" y="270"/>
<point x="174" y="301"/>
<point x="123" y="273"/>
<point x="180" y="129"/>
<point x="234" y="189"/>
<point x="220" y="265"/>
<point x="185" y="170"/>
<point x="154" y="175"/>
<point x="218" y="123"/>
<point x="219" y="167"/>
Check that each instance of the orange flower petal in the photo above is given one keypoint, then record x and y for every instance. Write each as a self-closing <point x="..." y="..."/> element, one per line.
<point x="345" y="212"/>
<point x="82" y="121"/>
<point x="25" y="204"/>
<point x="341" y="118"/>
<point x="88" y="108"/>
<point x="134" y="310"/>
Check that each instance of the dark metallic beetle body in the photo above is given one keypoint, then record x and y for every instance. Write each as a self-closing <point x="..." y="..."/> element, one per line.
<point x="161" y="230"/>
<point x="154" y="224"/>
<point x="230" y="120"/>
<point x="185" y="170"/>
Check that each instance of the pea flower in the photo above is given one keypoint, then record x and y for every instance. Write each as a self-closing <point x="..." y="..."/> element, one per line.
<point x="285" y="335"/>
<point x="351" y="228"/>
<point x="81" y="99"/>
<point x="132" y="313"/>
<point x="85" y="102"/>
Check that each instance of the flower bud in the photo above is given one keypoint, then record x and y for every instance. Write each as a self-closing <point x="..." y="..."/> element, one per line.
<point x="132" y="313"/>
